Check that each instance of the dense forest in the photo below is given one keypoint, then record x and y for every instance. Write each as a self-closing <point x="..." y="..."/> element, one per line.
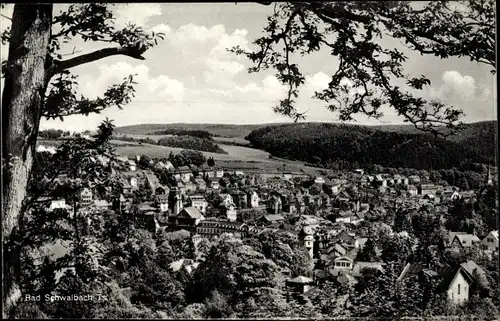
<point x="194" y="143"/>
<point x="186" y="142"/>
<point x="342" y="147"/>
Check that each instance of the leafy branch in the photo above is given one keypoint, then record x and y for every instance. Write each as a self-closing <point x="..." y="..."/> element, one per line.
<point x="61" y="99"/>
<point x="365" y="78"/>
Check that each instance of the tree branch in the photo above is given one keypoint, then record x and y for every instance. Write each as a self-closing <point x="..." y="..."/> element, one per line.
<point x="134" y="52"/>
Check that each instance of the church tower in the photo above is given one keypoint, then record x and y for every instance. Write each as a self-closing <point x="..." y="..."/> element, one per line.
<point x="306" y="237"/>
<point x="175" y="201"/>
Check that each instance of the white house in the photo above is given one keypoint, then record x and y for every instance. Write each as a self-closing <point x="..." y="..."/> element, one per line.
<point x="231" y="213"/>
<point x="42" y="148"/>
<point x="227" y="199"/>
<point x="199" y="202"/>
<point x="132" y="165"/>
<point x="335" y="189"/>
<point x="254" y="199"/>
<point x="219" y="173"/>
<point x="319" y="180"/>
<point x="162" y="201"/>
<point x="455" y="281"/>
<point x="490" y="241"/>
<point x="133" y="182"/>
<point x="458" y="288"/>
<point x="412" y="190"/>
<point x="214" y="184"/>
<point x="342" y="265"/>
<point x="59" y="203"/>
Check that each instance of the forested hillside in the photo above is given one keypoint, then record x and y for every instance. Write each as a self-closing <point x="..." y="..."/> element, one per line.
<point x="338" y="146"/>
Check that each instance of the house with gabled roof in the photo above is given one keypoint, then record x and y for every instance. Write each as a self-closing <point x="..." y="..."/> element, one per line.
<point x="427" y="189"/>
<point x="219" y="172"/>
<point x="200" y="184"/>
<point x="161" y="200"/>
<point x="359" y="266"/>
<point x="188" y="218"/>
<point x="300" y="284"/>
<point x="272" y="218"/>
<point x="229" y="210"/>
<point x="461" y="241"/>
<point x="345" y="238"/>
<point x="490" y="241"/>
<point x="449" y="196"/>
<point x="411" y="190"/>
<point x="187" y="264"/>
<point x="199" y="202"/>
<point x="342" y="265"/>
<point x="455" y="280"/>
<point x="213" y="183"/>
<point x="451" y="236"/>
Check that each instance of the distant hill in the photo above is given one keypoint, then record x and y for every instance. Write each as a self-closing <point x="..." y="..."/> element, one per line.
<point x="220" y="130"/>
<point x="321" y="143"/>
<point x="484" y="128"/>
<point x="344" y="146"/>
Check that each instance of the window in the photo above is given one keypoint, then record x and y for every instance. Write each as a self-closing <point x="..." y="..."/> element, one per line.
<point x="458" y="289"/>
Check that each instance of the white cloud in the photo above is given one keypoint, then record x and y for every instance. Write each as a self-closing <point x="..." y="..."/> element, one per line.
<point x="162" y="28"/>
<point x="194" y="33"/>
<point x="148" y="89"/>
<point x="455" y="87"/>
<point x="317" y="82"/>
<point x="218" y="68"/>
<point x="137" y="13"/>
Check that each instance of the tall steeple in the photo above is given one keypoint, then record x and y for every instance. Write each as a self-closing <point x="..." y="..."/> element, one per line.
<point x="489" y="181"/>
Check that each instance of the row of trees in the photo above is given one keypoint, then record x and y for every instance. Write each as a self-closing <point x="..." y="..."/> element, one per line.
<point x="53" y="133"/>
<point x="183" y="132"/>
<point x="194" y="143"/>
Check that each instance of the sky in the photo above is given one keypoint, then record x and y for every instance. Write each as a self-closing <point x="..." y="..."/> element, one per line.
<point x="191" y="78"/>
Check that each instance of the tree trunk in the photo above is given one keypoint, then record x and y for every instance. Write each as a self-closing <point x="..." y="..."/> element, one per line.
<point x="25" y="85"/>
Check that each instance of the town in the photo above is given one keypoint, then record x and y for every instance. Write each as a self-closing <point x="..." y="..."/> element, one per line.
<point x="341" y="219"/>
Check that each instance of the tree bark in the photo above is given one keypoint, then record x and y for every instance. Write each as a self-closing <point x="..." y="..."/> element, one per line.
<point x="25" y="85"/>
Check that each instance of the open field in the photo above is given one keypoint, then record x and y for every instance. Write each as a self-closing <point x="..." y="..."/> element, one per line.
<point x="229" y="140"/>
<point x="238" y="157"/>
<point x="142" y="136"/>
<point x="234" y="152"/>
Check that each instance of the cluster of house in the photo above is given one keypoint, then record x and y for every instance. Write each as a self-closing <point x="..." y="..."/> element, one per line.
<point x="182" y="206"/>
<point x="335" y="249"/>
